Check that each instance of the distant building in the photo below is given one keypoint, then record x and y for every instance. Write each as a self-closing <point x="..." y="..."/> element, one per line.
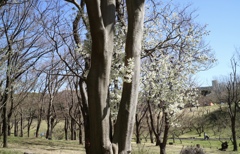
<point x="207" y="94"/>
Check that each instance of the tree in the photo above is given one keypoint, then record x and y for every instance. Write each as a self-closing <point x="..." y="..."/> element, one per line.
<point x="21" y="48"/>
<point x="54" y="83"/>
<point x="139" y="117"/>
<point x="173" y="51"/>
<point x="101" y="18"/>
<point x="229" y="92"/>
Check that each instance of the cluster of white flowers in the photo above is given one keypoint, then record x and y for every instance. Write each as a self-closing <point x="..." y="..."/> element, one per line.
<point x="129" y="70"/>
<point x="84" y="53"/>
<point x="172" y="51"/>
<point x="165" y="78"/>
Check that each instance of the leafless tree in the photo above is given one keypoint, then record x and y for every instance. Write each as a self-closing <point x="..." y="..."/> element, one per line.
<point x="229" y="92"/>
<point x="22" y="47"/>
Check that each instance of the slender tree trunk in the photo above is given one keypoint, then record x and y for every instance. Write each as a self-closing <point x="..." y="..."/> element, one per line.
<point x="9" y="127"/>
<point x="85" y="114"/>
<point x="4" y="112"/>
<point x="15" y="126"/>
<point x="10" y="112"/>
<point x="151" y="125"/>
<point x="30" y="119"/>
<point x="150" y="130"/>
<point x="73" y="129"/>
<point x="137" y="125"/>
<point x="21" y="124"/>
<point x="165" y="134"/>
<point x="4" y="125"/>
<point x="233" y="128"/>
<point x="50" y="119"/>
<point x="66" y="128"/>
<point x="39" y="120"/>
<point x="80" y="135"/>
<point x="1" y="128"/>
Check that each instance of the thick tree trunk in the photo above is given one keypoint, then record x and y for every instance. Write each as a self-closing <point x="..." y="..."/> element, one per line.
<point x="125" y="119"/>
<point x="162" y="149"/>
<point x="101" y="18"/>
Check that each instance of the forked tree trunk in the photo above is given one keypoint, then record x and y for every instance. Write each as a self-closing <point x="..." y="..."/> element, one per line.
<point x="102" y="18"/>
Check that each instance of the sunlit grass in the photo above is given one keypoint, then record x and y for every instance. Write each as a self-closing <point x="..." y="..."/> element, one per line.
<point x="41" y="145"/>
<point x="19" y="145"/>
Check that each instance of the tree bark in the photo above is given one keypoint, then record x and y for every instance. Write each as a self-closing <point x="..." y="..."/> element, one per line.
<point x="66" y="128"/>
<point x="127" y="110"/>
<point x="165" y="134"/>
<point x="101" y="18"/>
<point x="4" y="112"/>
<point x="137" y="125"/>
<point x="73" y="129"/>
<point x="80" y="134"/>
<point x="15" y="126"/>
<point x="4" y="125"/>
<point x="21" y="124"/>
<point x="39" y="120"/>
<point x="85" y="113"/>
<point x="234" y="138"/>
<point x="150" y="130"/>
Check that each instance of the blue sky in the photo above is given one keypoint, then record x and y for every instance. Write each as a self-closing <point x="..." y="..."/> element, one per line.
<point x="223" y="19"/>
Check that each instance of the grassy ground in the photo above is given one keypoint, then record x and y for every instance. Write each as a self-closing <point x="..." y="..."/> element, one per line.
<point x="19" y="145"/>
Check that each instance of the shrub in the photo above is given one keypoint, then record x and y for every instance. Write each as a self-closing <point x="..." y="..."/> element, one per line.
<point x="192" y="150"/>
<point x="58" y="133"/>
